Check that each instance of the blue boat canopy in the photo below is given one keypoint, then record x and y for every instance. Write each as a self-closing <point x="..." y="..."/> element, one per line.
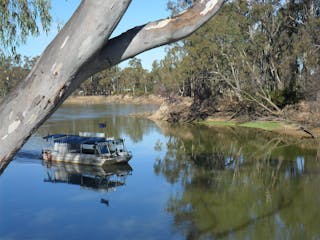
<point x="74" y="139"/>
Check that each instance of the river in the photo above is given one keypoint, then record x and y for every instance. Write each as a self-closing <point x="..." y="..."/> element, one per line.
<point x="184" y="182"/>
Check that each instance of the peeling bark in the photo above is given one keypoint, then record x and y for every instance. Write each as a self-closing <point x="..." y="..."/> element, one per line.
<point x="80" y="50"/>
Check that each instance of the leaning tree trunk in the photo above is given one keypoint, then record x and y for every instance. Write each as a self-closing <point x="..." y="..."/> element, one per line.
<point x="80" y="50"/>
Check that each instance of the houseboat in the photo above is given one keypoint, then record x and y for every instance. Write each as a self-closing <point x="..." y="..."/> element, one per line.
<point x="85" y="148"/>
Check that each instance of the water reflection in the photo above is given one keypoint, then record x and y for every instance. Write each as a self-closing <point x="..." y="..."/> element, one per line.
<point x="116" y="126"/>
<point x="102" y="179"/>
<point x="238" y="183"/>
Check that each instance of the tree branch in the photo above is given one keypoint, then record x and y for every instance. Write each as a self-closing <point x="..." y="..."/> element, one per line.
<point x="152" y="35"/>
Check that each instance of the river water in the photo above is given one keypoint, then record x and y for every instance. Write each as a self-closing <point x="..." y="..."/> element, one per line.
<point x="183" y="182"/>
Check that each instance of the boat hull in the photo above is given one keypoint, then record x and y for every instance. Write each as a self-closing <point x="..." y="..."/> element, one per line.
<point x="85" y="159"/>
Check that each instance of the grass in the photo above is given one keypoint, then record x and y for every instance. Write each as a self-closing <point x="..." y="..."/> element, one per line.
<point x="265" y="125"/>
<point x="218" y="123"/>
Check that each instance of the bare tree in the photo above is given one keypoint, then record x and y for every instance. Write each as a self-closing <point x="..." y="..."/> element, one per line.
<point x="81" y="49"/>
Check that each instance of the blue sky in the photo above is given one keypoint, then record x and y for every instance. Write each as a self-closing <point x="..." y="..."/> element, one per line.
<point x="138" y="13"/>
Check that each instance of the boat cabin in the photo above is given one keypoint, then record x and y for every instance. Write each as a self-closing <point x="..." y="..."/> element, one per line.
<point x="86" y="145"/>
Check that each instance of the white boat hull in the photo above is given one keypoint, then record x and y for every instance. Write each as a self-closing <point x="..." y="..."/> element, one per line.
<point x="86" y="159"/>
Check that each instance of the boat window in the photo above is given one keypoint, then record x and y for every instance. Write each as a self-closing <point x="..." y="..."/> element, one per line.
<point x="104" y="149"/>
<point x="120" y="146"/>
<point x="74" y="147"/>
<point x="112" y="148"/>
<point x="116" y="146"/>
<point x="88" y="148"/>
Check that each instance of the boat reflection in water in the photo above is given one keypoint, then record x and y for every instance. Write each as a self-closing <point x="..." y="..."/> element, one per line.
<point x="102" y="179"/>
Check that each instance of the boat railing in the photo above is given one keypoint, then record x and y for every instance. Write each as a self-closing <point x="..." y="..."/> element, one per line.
<point x="91" y="134"/>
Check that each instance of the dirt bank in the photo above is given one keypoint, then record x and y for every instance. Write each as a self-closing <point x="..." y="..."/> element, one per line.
<point x="173" y="110"/>
<point x="282" y="127"/>
<point x="299" y="120"/>
<point x="123" y="99"/>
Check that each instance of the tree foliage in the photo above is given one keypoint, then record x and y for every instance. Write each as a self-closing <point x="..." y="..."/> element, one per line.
<point x="13" y="70"/>
<point x="20" y="19"/>
<point x="262" y="54"/>
<point x="132" y="79"/>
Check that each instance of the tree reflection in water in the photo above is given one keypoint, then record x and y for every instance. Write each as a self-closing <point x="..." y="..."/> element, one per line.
<point x="240" y="183"/>
<point x="117" y="126"/>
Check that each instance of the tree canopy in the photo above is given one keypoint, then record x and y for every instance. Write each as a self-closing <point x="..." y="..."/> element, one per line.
<point x="20" y="19"/>
<point x="262" y="54"/>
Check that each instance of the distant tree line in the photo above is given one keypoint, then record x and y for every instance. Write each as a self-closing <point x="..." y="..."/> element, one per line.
<point x="258" y="55"/>
<point x="133" y="79"/>
<point x="12" y="70"/>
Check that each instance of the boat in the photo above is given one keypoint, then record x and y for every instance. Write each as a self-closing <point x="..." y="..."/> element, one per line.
<point x="86" y="148"/>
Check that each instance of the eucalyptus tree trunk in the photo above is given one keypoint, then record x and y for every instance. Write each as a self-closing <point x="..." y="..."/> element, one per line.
<point x="81" y="49"/>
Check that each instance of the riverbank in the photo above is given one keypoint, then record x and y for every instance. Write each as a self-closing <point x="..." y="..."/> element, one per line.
<point x="301" y="120"/>
<point x="299" y="124"/>
<point x="122" y="99"/>
<point x="281" y="127"/>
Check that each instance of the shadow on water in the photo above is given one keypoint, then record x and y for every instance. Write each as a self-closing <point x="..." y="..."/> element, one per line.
<point x="239" y="182"/>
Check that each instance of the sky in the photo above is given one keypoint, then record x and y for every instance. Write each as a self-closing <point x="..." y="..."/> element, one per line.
<point x="138" y="13"/>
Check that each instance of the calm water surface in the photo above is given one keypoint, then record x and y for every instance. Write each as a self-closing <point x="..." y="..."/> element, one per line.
<point x="183" y="182"/>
